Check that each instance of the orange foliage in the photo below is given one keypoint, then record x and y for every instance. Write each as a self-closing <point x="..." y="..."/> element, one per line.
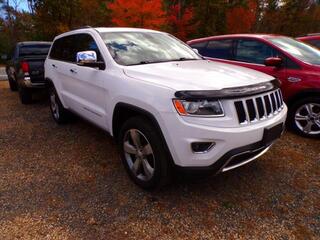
<point x="137" y="13"/>
<point x="241" y="19"/>
<point x="180" y="21"/>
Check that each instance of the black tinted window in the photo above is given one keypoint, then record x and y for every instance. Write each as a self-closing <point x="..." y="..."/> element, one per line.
<point x="219" y="49"/>
<point x="30" y="50"/>
<point x="55" y="52"/>
<point x="66" y="48"/>
<point x="200" y="46"/>
<point x="253" y="51"/>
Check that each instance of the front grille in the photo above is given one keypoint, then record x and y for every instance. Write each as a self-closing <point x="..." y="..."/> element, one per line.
<point x="260" y="107"/>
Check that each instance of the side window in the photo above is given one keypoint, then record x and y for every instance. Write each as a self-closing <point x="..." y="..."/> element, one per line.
<point x="288" y="63"/>
<point x="200" y="46"/>
<point x="253" y="51"/>
<point x="86" y="42"/>
<point x="55" y="52"/>
<point x="63" y="49"/>
<point x="222" y="49"/>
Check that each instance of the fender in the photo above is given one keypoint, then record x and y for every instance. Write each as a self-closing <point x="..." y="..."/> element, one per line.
<point x="132" y="111"/>
<point x="303" y="94"/>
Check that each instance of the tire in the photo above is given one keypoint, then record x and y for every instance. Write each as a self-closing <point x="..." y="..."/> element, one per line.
<point x="25" y="95"/>
<point x="150" y="166"/>
<point x="304" y="117"/>
<point x="12" y="84"/>
<point x="59" y="114"/>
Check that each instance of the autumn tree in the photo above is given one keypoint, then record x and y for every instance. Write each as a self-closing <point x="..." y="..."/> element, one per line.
<point x="291" y="17"/>
<point x="180" y="21"/>
<point x="138" y="13"/>
<point x="241" y="19"/>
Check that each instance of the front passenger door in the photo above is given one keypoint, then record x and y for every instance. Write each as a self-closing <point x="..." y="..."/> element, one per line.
<point x="88" y="88"/>
<point x="252" y="53"/>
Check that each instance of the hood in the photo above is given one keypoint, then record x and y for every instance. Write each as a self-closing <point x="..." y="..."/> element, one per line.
<point x="196" y="75"/>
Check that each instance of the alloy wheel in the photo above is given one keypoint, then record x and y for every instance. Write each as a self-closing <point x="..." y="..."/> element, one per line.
<point x="307" y="118"/>
<point x="139" y="154"/>
<point x="54" y="105"/>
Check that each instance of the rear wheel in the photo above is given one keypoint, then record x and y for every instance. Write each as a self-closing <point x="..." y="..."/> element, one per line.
<point x="12" y="84"/>
<point x="25" y="95"/>
<point x="144" y="153"/>
<point x="59" y="113"/>
<point x="304" y="117"/>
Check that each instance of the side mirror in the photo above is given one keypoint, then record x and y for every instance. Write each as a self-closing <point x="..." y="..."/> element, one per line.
<point x="196" y="50"/>
<point x="89" y="59"/>
<point x="273" y="62"/>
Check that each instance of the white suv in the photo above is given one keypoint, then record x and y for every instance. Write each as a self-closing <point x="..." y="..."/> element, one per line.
<point x="166" y="106"/>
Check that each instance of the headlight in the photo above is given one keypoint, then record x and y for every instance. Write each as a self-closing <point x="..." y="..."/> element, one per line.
<point x="205" y="108"/>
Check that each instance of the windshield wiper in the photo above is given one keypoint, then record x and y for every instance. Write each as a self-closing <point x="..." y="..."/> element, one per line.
<point x="186" y="59"/>
<point x="163" y="61"/>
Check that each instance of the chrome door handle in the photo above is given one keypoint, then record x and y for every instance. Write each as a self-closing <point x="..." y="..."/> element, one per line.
<point x="73" y="71"/>
<point x="294" y="79"/>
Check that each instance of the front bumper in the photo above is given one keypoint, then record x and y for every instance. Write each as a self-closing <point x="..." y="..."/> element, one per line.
<point x="233" y="159"/>
<point x="232" y="144"/>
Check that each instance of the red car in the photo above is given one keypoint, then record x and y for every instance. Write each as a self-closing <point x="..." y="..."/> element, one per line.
<point x="295" y="64"/>
<point x="312" y="39"/>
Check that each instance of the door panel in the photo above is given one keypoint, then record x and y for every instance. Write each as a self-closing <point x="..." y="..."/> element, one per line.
<point x="83" y="88"/>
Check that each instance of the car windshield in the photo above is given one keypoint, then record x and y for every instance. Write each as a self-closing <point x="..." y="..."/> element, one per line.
<point x="39" y="49"/>
<point x="300" y="50"/>
<point x="133" y="48"/>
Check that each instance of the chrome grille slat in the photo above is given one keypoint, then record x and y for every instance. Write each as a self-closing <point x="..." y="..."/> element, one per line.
<point x="278" y="99"/>
<point x="256" y="108"/>
<point x="275" y="100"/>
<point x="281" y="97"/>
<point x="262" y="106"/>
<point x="272" y="108"/>
<point x="246" y="110"/>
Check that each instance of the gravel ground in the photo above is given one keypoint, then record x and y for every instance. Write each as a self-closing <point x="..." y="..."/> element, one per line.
<point x="67" y="182"/>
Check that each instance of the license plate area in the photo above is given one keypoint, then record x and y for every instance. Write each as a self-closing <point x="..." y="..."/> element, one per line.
<point x="272" y="134"/>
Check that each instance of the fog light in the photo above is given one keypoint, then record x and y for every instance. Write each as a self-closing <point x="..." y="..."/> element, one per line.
<point x="202" y="147"/>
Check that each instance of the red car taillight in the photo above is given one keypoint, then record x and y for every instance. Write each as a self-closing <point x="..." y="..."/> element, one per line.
<point x="25" y="67"/>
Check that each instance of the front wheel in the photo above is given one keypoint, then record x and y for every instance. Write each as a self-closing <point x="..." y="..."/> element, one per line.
<point x="304" y="117"/>
<point x="144" y="153"/>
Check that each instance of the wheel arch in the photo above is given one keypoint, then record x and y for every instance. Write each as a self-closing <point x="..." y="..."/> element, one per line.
<point x="49" y="83"/>
<point x="303" y="94"/>
<point x="123" y="111"/>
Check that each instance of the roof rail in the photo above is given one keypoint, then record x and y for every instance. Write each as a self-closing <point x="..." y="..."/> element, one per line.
<point x="313" y="34"/>
<point x="82" y="27"/>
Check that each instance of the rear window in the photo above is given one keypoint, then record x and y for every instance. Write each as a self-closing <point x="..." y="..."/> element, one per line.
<point x="30" y="50"/>
<point x="218" y="49"/>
